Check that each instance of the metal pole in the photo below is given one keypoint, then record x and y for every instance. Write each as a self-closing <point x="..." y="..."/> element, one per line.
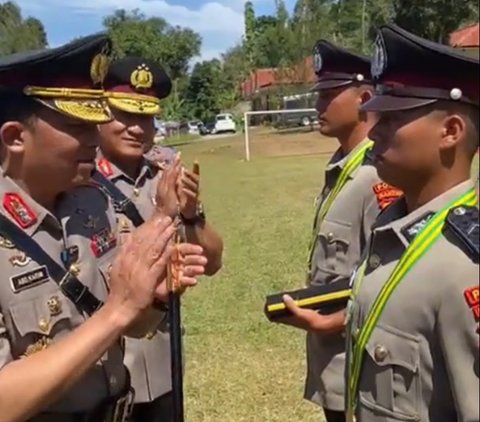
<point x="175" y="329"/>
<point x="247" y="139"/>
<point x="176" y="356"/>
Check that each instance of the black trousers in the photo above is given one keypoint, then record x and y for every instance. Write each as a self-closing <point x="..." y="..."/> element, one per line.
<point x="334" y="416"/>
<point x="159" y="410"/>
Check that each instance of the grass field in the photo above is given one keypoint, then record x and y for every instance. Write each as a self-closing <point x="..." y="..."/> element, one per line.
<point x="240" y="367"/>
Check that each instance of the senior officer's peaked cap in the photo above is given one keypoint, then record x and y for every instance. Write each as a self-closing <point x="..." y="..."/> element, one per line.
<point x="336" y="67"/>
<point x="411" y="72"/>
<point x="67" y="79"/>
<point x="137" y="85"/>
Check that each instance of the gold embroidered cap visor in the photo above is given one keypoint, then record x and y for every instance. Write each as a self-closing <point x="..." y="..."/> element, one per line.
<point x="134" y="103"/>
<point x="88" y="105"/>
<point x="136" y="85"/>
<point x="67" y="79"/>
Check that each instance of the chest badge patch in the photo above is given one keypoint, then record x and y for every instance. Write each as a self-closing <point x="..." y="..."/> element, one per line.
<point x="29" y="279"/>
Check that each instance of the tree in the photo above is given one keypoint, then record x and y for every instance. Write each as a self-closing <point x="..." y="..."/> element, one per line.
<point x="153" y="38"/>
<point x="204" y="89"/>
<point x="250" y="33"/>
<point x="434" y="19"/>
<point x="18" y="34"/>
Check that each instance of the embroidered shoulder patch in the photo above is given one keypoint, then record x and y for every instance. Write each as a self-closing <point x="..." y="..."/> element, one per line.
<point x="472" y="297"/>
<point x="385" y="194"/>
<point x="19" y="210"/>
<point x="105" y="167"/>
<point x="414" y="227"/>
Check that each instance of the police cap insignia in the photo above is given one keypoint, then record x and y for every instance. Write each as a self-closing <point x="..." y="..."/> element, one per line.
<point x="336" y="67"/>
<point x="379" y="61"/>
<point x="411" y="72"/>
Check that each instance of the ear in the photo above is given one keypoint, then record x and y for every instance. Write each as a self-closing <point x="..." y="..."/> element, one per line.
<point x="454" y="130"/>
<point x="366" y="94"/>
<point x="12" y="135"/>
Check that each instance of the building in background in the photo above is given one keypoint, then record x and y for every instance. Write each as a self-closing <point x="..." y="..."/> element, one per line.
<point x="467" y="39"/>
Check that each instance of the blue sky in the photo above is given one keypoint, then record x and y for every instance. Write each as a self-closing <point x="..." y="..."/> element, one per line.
<point x="219" y="22"/>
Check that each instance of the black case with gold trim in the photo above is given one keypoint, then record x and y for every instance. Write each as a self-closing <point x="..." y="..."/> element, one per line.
<point x="324" y="299"/>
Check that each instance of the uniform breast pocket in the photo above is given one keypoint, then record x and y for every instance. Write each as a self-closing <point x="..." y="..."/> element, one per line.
<point x="331" y="254"/>
<point x="390" y="383"/>
<point x="37" y="322"/>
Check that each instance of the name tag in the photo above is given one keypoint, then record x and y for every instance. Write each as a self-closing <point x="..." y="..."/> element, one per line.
<point x="29" y="279"/>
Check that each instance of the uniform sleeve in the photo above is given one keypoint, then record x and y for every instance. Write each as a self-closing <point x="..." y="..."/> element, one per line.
<point x="457" y="330"/>
<point x="5" y="351"/>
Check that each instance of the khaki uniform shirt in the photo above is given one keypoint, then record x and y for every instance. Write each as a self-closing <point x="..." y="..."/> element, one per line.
<point x="148" y="359"/>
<point x="33" y="311"/>
<point x="339" y="242"/>
<point x="422" y="360"/>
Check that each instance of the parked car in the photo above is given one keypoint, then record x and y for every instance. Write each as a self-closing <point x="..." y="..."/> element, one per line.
<point x="207" y="128"/>
<point x="225" y="123"/>
<point x="194" y="127"/>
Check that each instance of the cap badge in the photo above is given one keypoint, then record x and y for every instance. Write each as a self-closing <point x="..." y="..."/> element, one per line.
<point x="99" y="68"/>
<point x="141" y="77"/>
<point x="317" y="61"/>
<point x="379" y="61"/>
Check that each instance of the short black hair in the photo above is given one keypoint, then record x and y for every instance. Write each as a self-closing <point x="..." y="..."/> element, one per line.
<point x="15" y="106"/>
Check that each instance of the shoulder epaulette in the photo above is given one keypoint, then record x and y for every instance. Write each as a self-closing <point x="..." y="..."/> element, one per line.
<point x="463" y="222"/>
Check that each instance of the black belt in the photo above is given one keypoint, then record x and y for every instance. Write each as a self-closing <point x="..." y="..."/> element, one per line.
<point x="121" y="203"/>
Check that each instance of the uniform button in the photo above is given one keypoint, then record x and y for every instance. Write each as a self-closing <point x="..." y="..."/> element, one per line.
<point x="136" y="191"/>
<point x="380" y="353"/>
<point x="44" y="325"/>
<point x="330" y="237"/>
<point x="459" y="211"/>
<point x="113" y="381"/>
<point x="374" y="261"/>
<point x="74" y="270"/>
<point x="150" y="335"/>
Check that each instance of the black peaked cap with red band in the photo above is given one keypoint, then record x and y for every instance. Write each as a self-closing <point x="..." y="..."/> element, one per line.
<point x="411" y="72"/>
<point x="137" y="85"/>
<point x="336" y="67"/>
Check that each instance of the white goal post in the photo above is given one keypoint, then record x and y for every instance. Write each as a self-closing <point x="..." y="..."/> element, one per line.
<point x="246" y="119"/>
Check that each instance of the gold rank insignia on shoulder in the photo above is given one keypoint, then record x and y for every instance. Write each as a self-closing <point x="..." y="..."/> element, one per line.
<point x="141" y="77"/>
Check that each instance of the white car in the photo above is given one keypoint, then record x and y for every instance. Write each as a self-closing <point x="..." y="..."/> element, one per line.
<point x="225" y="123"/>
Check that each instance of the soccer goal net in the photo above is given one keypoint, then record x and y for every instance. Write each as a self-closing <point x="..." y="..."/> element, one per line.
<point x="300" y="117"/>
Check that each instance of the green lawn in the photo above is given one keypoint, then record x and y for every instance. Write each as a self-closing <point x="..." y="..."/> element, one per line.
<point x="240" y="367"/>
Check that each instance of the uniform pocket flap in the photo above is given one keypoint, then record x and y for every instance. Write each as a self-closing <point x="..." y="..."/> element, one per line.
<point x="389" y="346"/>
<point x="41" y="314"/>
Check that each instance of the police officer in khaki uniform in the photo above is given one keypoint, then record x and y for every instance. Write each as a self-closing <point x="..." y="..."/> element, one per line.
<point x="134" y="87"/>
<point x="61" y="318"/>
<point x="350" y="201"/>
<point x="413" y="322"/>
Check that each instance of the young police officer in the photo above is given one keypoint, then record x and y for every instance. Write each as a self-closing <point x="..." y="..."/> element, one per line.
<point x="413" y="325"/>
<point x="350" y="201"/>
<point x="60" y="322"/>
<point x="134" y="87"/>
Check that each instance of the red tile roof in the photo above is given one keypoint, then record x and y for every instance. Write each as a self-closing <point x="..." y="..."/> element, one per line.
<point x="466" y="37"/>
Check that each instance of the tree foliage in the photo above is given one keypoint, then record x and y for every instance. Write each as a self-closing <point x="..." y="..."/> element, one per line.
<point x="18" y="34"/>
<point x="153" y="38"/>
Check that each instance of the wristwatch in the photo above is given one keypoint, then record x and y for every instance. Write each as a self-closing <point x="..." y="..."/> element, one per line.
<point x="198" y="218"/>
